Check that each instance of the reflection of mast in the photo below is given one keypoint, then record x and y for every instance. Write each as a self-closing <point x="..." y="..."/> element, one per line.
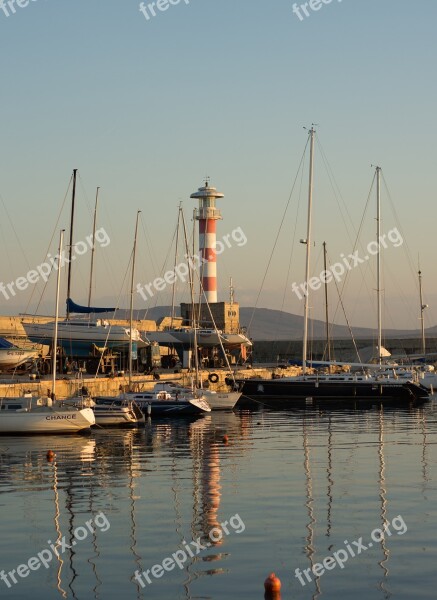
<point x="91" y="561"/>
<point x="310" y="506"/>
<point x="425" y="465"/>
<point x="71" y="541"/>
<point x="330" y="480"/>
<point x="383" y="498"/>
<point x="62" y="592"/>
<point x="132" y="498"/>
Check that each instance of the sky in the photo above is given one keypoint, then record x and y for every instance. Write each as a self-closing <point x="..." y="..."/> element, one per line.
<point x="146" y="108"/>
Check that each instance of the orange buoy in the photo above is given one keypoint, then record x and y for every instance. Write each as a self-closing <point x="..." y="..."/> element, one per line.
<point x="272" y="584"/>
<point x="50" y="455"/>
<point x="225" y="439"/>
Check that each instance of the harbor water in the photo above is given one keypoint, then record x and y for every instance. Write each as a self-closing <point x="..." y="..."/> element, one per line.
<point x="339" y="505"/>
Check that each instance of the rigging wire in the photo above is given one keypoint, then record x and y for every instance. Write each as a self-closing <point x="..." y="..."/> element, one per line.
<point x="354" y="248"/>
<point x="347" y="321"/>
<point x="287" y="279"/>
<point x="335" y="189"/>
<point x="55" y="230"/>
<point x="277" y="235"/>
<point x="404" y="243"/>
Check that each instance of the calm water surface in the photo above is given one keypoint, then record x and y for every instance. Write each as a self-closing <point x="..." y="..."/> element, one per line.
<point x="290" y="488"/>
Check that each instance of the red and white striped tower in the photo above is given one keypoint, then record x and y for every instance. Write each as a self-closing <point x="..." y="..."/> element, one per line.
<point x="207" y="216"/>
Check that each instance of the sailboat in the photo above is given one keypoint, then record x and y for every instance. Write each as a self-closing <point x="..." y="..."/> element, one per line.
<point x="120" y="411"/>
<point x="331" y="389"/>
<point x="81" y="338"/>
<point x="44" y="414"/>
<point x="217" y="399"/>
<point x="158" y="400"/>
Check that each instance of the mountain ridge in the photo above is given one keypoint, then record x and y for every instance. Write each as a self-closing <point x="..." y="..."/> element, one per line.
<point x="267" y="324"/>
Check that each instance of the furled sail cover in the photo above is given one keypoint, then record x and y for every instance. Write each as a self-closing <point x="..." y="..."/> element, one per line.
<point x="72" y="307"/>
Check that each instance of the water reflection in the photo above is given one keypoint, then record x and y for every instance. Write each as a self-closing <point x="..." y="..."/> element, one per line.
<point x="302" y="481"/>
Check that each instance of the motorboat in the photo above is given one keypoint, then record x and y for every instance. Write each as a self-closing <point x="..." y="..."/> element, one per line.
<point x="217" y="399"/>
<point x="12" y="356"/>
<point x="160" y="401"/>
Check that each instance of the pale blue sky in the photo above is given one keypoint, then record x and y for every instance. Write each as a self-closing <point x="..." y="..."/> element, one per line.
<point x="145" y="109"/>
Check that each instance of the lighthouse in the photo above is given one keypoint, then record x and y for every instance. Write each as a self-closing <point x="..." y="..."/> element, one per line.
<point x="207" y="216"/>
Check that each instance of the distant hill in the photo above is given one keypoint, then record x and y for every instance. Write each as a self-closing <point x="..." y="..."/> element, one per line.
<point x="267" y="324"/>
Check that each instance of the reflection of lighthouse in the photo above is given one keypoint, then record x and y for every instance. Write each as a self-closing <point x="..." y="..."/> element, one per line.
<point x="207" y="216"/>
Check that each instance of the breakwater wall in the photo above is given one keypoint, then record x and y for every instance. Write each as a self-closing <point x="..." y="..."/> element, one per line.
<point x="341" y="350"/>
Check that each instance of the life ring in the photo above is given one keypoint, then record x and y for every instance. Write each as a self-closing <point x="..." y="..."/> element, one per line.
<point x="213" y="377"/>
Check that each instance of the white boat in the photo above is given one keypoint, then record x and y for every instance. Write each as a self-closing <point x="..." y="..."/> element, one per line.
<point x="109" y="411"/>
<point x="160" y="402"/>
<point x="205" y="337"/>
<point x="117" y="412"/>
<point x="11" y="356"/>
<point x="42" y="415"/>
<point x="426" y="375"/>
<point x="113" y="412"/>
<point x="217" y="400"/>
<point x="78" y="336"/>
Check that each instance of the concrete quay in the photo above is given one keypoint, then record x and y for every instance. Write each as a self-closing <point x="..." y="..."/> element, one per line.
<point x="69" y="385"/>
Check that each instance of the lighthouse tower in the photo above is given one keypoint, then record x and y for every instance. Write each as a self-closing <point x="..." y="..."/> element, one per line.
<point x="207" y="216"/>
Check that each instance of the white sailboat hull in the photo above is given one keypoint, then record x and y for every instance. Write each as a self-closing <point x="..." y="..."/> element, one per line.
<point x="221" y="400"/>
<point x="79" y="331"/>
<point x="77" y="337"/>
<point x="45" y="420"/>
<point x="216" y="400"/>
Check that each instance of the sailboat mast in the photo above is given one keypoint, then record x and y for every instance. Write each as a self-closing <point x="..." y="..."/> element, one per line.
<point x="328" y="341"/>
<point x="55" y="334"/>
<point x="70" y="250"/>
<point x="173" y="293"/>
<point x="308" y="245"/>
<point x="93" y="247"/>
<point x="131" y="312"/>
<point x="378" y="260"/>
<point x="422" y="308"/>
<point x="193" y="309"/>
